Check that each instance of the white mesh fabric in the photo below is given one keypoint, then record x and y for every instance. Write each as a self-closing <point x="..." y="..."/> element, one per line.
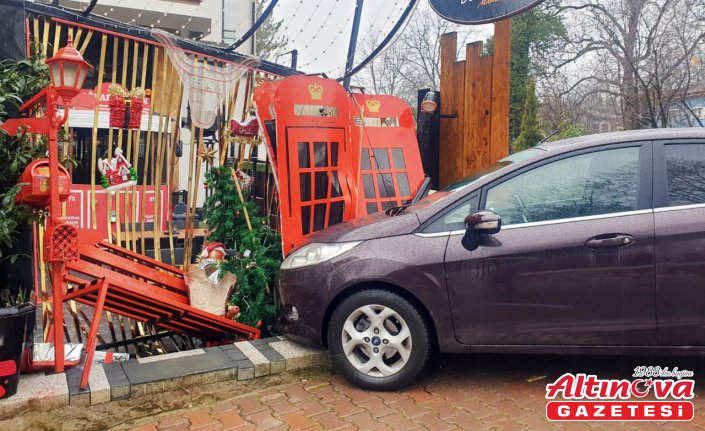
<point x="205" y="84"/>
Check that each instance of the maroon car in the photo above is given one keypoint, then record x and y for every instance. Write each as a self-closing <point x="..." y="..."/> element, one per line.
<point x="588" y="245"/>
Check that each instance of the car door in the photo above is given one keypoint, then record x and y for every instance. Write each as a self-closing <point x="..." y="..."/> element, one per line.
<point x="573" y="262"/>
<point x="679" y="198"/>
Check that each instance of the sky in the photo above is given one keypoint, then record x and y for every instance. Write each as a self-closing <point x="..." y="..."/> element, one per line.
<point x="320" y="29"/>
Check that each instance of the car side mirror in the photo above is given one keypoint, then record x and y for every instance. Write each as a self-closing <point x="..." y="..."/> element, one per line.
<point x="479" y="224"/>
<point x="483" y="223"/>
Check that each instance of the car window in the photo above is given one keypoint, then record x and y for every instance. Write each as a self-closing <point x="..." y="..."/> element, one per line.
<point x="454" y="219"/>
<point x="685" y="164"/>
<point x="595" y="183"/>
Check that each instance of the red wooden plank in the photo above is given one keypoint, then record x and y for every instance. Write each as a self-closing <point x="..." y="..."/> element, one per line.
<point x="138" y="287"/>
<point x="142" y="258"/>
<point x="138" y="270"/>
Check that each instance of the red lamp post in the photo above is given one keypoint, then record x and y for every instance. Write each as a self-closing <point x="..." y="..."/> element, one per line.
<point x="68" y="71"/>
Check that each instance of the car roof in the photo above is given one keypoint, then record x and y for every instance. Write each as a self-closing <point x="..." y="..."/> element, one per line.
<point x="624" y="136"/>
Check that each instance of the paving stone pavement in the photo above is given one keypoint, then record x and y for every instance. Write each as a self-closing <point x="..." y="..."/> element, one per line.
<point x="495" y="392"/>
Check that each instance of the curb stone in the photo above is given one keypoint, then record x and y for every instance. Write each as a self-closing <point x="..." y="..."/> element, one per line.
<point x="120" y="380"/>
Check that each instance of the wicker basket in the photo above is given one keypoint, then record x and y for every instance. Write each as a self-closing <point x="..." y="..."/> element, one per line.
<point x="206" y="295"/>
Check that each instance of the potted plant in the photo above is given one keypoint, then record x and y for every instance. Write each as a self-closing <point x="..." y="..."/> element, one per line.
<point x="19" y="81"/>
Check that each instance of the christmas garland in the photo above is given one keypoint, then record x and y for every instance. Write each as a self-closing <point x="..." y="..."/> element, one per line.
<point x="255" y="255"/>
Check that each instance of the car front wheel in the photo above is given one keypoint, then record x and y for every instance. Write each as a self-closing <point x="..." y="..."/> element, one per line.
<point x="379" y="340"/>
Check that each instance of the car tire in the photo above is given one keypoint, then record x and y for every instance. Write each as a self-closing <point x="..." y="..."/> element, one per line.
<point x="379" y="340"/>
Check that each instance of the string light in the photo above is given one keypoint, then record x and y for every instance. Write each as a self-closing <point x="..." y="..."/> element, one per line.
<point x="244" y="15"/>
<point x="298" y="34"/>
<point x="313" y="38"/>
<point x="333" y="42"/>
<point x="383" y="26"/>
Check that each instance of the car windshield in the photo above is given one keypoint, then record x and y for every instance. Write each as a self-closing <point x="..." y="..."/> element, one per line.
<point x="468" y="181"/>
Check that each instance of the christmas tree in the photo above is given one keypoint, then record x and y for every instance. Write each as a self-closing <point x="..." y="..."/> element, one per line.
<point x="258" y="251"/>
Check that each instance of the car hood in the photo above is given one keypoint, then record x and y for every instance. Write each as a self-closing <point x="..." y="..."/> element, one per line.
<point x="377" y="225"/>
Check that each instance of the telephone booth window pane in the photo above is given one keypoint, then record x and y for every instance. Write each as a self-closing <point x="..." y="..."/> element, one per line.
<point x="335" y="185"/>
<point x="382" y="158"/>
<point x="304" y="158"/>
<point x="319" y="217"/>
<point x="334" y="154"/>
<point x="336" y="213"/>
<point x="369" y="185"/>
<point x="321" y="185"/>
<point x="366" y="166"/>
<point x="398" y="156"/>
<point x="403" y="181"/>
<point x="305" y="185"/>
<point x="306" y="219"/>
<point x="385" y="186"/>
<point x="320" y="154"/>
<point x="387" y="205"/>
<point x="371" y="208"/>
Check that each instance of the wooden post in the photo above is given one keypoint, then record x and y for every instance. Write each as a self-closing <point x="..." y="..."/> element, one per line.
<point x="477" y="91"/>
<point x="501" y="62"/>
<point x="450" y="145"/>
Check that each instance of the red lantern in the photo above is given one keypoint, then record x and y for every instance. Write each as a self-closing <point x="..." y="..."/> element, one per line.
<point x="68" y="71"/>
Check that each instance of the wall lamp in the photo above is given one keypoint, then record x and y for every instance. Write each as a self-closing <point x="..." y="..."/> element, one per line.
<point x="429" y="106"/>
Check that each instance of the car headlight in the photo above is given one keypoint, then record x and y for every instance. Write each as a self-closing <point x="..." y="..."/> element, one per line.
<point x="314" y="253"/>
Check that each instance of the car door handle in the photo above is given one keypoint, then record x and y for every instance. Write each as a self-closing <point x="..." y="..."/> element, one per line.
<point x="612" y="240"/>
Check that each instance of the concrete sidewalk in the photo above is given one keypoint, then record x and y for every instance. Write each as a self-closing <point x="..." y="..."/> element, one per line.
<point x="121" y="380"/>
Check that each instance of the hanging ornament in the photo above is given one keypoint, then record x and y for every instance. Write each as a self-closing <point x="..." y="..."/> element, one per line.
<point x="246" y="133"/>
<point x="125" y="108"/>
<point x="249" y="128"/>
<point x="116" y="173"/>
<point x="245" y="180"/>
<point x="208" y="155"/>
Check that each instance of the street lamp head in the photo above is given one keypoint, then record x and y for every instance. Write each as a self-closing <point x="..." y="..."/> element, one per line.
<point x="68" y="71"/>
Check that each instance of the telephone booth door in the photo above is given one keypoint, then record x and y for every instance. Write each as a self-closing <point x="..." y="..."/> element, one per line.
<point x="317" y="196"/>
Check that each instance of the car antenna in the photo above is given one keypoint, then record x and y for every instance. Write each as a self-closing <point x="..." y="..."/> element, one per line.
<point x="549" y="136"/>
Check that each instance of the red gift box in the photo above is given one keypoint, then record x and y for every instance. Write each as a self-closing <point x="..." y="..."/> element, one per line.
<point x="135" y="121"/>
<point x="125" y="113"/>
<point x="117" y="111"/>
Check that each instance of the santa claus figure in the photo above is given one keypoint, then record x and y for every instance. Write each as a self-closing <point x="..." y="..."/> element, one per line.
<point x="212" y="253"/>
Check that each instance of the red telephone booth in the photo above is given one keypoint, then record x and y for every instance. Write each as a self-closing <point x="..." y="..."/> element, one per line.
<point x="389" y="171"/>
<point x="313" y="154"/>
<point x="336" y="156"/>
<point x="264" y="100"/>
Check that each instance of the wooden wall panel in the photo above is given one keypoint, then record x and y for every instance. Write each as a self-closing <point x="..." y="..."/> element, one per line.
<point x="477" y="91"/>
<point x="483" y="113"/>
<point x="448" y="145"/>
<point x="501" y="59"/>
<point x="471" y="142"/>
